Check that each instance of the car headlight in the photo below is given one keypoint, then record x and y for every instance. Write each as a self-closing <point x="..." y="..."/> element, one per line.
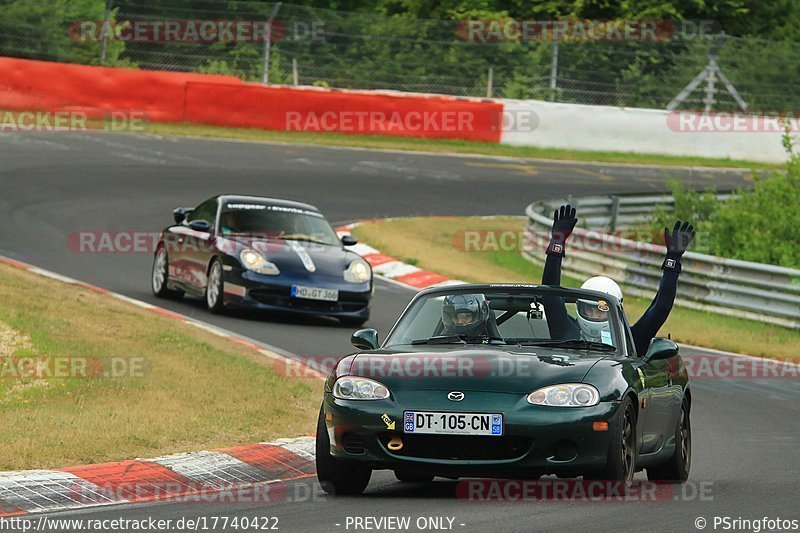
<point x="254" y="261"/>
<point x="565" y="395"/>
<point x="358" y="272"/>
<point x="355" y="388"/>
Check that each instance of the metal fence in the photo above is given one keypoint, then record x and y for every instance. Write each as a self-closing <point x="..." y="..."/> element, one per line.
<point x="731" y="287"/>
<point x="314" y="46"/>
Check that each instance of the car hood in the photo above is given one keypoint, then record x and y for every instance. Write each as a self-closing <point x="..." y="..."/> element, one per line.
<point x="293" y="255"/>
<point x="513" y="369"/>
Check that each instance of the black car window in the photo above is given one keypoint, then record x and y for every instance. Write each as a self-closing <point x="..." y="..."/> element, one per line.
<point x="516" y="318"/>
<point x="276" y="222"/>
<point x="206" y="211"/>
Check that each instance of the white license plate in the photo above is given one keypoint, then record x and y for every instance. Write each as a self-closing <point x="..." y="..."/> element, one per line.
<point x="449" y="423"/>
<point x="315" y="293"/>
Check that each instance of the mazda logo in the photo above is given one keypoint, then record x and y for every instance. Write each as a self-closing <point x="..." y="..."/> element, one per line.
<point x="455" y="396"/>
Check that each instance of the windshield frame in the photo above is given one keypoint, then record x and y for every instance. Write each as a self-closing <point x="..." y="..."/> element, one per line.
<point x="616" y="313"/>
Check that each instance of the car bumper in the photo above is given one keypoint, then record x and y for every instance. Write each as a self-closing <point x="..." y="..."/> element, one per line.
<point x="536" y="441"/>
<point x="248" y="290"/>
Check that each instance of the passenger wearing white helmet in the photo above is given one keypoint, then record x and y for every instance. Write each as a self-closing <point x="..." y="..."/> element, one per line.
<point x="591" y="322"/>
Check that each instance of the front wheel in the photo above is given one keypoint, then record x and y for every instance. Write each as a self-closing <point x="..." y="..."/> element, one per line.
<point x="676" y="469"/>
<point x="621" y="462"/>
<point x="334" y="476"/>
<point x="159" y="276"/>
<point x="215" y="288"/>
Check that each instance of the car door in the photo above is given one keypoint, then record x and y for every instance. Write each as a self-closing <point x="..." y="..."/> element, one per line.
<point x="174" y="241"/>
<point x="644" y="422"/>
<point x="198" y="246"/>
<point x="658" y="406"/>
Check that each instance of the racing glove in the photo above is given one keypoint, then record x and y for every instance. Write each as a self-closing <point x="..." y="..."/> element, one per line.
<point x="676" y="242"/>
<point x="563" y="223"/>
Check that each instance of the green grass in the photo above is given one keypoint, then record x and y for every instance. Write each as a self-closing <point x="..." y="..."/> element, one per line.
<point x="194" y="390"/>
<point x="434" y="243"/>
<point x="447" y="146"/>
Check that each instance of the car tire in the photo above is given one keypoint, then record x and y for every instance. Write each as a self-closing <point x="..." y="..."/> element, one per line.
<point x="410" y="477"/>
<point x="621" y="461"/>
<point x="160" y="275"/>
<point x="215" y="287"/>
<point x="676" y="469"/>
<point x="334" y="476"/>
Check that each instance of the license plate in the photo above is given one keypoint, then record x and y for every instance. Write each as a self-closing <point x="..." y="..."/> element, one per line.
<point x="449" y="423"/>
<point x="315" y="293"/>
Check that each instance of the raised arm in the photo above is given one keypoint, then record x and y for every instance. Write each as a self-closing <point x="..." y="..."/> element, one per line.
<point x="651" y="321"/>
<point x="564" y="221"/>
<point x="559" y="322"/>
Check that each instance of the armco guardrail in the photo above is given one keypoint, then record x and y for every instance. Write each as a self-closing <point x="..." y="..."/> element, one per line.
<point x="756" y="291"/>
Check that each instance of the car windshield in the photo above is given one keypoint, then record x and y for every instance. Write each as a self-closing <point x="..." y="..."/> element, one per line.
<point x="276" y="222"/>
<point x="527" y="316"/>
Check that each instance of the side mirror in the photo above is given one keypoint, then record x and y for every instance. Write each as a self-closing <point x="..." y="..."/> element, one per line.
<point x="200" y="225"/>
<point x="179" y="214"/>
<point x="349" y="240"/>
<point x="660" y="349"/>
<point x="365" y="339"/>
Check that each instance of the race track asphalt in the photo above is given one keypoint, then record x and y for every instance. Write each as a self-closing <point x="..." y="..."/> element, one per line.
<point x="55" y="184"/>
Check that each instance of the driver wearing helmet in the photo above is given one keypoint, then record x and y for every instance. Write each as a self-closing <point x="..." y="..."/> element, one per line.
<point x="590" y="323"/>
<point x="465" y="314"/>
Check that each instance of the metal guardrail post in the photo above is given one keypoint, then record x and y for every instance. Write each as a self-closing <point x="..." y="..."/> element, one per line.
<point x="612" y="225"/>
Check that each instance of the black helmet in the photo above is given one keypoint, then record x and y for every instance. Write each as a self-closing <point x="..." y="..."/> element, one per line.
<point x="465" y="314"/>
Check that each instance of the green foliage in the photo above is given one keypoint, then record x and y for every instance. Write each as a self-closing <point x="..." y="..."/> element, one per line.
<point x="689" y="205"/>
<point x="694" y="206"/>
<point x="420" y="46"/>
<point x="761" y="224"/>
<point x="39" y="29"/>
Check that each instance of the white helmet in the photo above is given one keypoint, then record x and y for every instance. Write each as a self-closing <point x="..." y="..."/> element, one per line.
<point x="594" y="327"/>
<point x="603" y="284"/>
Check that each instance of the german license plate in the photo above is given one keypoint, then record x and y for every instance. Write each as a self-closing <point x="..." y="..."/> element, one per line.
<point x="315" y="293"/>
<point x="449" y="423"/>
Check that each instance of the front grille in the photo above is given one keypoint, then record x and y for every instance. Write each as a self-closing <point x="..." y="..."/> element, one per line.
<point x="279" y="296"/>
<point x="461" y="447"/>
<point x="352" y="444"/>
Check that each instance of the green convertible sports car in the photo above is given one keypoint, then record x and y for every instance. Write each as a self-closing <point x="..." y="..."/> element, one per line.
<point x="475" y="381"/>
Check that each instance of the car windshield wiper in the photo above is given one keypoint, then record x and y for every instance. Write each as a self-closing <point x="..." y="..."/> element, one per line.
<point x="302" y="237"/>
<point x="573" y="343"/>
<point x="460" y="339"/>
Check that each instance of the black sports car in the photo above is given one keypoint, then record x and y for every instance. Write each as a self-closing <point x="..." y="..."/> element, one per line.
<point x="262" y="253"/>
<point x="471" y="382"/>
